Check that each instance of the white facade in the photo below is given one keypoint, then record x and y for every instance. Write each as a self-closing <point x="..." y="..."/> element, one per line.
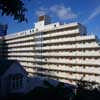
<point x="63" y="52"/>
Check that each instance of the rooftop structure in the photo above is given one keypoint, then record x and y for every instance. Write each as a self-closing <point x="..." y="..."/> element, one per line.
<point x="3" y="29"/>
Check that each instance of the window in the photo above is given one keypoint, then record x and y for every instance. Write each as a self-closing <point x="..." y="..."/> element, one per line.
<point x="15" y="81"/>
<point x="84" y="58"/>
<point x="36" y="29"/>
<point x="45" y="59"/>
<point x="54" y="25"/>
<point x="58" y="72"/>
<point x="84" y="75"/>
<point x="70" y="65"/>
<point x="0" y="83"/>
<point x="70" y="81"/>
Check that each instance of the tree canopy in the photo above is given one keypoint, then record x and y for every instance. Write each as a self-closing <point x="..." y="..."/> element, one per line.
<point x="15" y="8"/>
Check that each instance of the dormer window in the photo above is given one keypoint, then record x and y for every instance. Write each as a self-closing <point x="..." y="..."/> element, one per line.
<point x="15" y="81"/>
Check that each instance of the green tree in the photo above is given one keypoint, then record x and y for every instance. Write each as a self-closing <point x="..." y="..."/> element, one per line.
<point x="87" y="91"/>
<point x="15" y="8"/>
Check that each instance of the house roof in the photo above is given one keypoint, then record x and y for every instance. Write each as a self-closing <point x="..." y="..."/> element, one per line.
<point x="5" y="64"/>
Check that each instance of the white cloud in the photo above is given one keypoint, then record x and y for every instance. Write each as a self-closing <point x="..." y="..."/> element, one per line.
<point x="94" y="14"/>
<point x="41" y="11"/>
<point x="63" y="12"/>
<point x="59" y="11"/>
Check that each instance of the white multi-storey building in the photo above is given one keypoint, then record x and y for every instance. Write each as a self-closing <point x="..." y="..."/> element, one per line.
<point x="52" y="50"/>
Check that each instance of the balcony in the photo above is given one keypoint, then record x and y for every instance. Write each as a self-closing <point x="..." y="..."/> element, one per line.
<point x="21" y="49"/>
<point x="73" y="61"/>
<point x="29" y="54"/>
<point x="69" y="32"/>
<point x="72" y="54"/>
<point x="20" y="39"/>
<point x="19" y="34"/>
<point x="72" y="39"/>
<point x="21" y="44"/>
<point x="76" y="69"/>
<point x="70" y="46"/>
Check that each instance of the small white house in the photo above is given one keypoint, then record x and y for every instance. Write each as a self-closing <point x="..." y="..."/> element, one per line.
<point x="13" y="78"/>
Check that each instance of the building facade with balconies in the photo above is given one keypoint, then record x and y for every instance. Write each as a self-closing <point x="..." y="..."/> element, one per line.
<point x="58" y="51"/>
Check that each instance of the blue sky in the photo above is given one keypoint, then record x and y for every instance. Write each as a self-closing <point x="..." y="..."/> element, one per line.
<point x="86" y="12"/>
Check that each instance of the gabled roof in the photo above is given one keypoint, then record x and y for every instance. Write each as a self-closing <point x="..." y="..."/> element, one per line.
<point x="5" y="64"/>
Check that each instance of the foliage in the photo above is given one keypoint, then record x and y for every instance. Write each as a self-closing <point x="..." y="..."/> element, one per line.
<point x="87" y="91"/>
<point x="13" y="8"/>
<point x="49" y="92"/>
<point x="81" y="84"/>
